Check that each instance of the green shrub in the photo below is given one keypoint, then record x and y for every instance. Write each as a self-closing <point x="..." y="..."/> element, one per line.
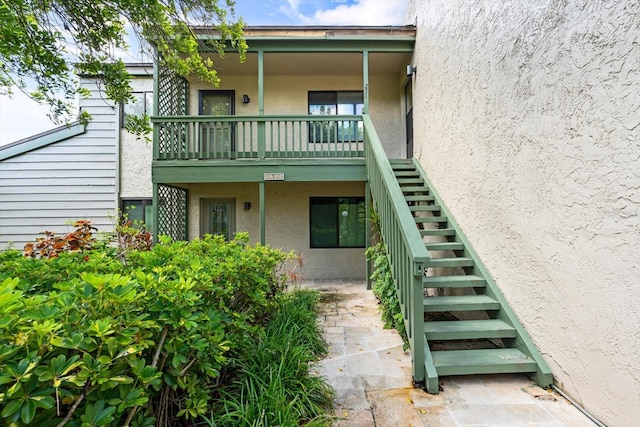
<point x="277" y="385"/>
<point x="384" y="289"/>
<point x="88" y="340"/>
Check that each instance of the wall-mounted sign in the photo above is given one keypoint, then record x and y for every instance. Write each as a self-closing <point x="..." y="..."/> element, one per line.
<point x="274" y="176"/>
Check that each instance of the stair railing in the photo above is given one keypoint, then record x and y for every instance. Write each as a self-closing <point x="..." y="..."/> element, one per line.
<point x="405" y="249"/>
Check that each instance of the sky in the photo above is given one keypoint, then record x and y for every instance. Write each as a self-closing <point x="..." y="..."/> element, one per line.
<point x="21" y="117"/>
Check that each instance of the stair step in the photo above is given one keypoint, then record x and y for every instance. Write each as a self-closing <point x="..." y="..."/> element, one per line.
<point x="453" y="282"/>
<point x="445" y="246"/>
<point x="438" y="232"/>
<point x="468" y="329"/>
<point x="424" y="208"/>
<point x="415" y="189"/>
<point x="402" y="181"/>
<point x="460" y="303"/>
<point x="402" y="166"/>
<point x="485" y="361"/>
<point x="450" y="262"/>
<point x="426" y="219"/>
<point x="420" y="198"/>
<point x="407" y="173"/>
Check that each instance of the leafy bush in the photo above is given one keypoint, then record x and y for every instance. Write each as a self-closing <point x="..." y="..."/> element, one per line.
<point x="276" y="386"/>
<point x="87" y="340"/>
<point x="384" y="289"/>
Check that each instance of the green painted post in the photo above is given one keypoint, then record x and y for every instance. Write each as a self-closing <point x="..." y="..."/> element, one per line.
<point x="367" y="206"/>
<point x="262" y="213"/>
<point x="156" y="210"/>
<point x="261" y="124"/>
<point x="365" y="80"/>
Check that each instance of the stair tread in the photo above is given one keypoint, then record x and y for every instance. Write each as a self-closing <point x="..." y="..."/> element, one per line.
<point x="450" y="262"/>
<point x="436" y="218"/>
<point x="415" y="189"/>
<point x="419" y="198"/>
<point x="468" y="329"/>
<point x="407" y="173"/>
<point x="424" y="208"/>
<point x="484" y="361"/>
<point x="454" y="281"/>
<point x="445" y="246"/>
<point x="402" y="180"/>
<point x="438" y="232"/>
<point x="460" y="303"/>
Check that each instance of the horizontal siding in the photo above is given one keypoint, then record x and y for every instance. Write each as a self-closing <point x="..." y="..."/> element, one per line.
<point x="44" y="189"/>
<point x="73" y="179"/>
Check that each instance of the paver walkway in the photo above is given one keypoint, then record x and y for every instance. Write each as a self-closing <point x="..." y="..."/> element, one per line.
<point x="372" y="377"/>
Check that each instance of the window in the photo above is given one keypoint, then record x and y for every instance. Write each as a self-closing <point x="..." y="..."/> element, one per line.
<point x="141" y="104"/>
<point x="337" y="222"/>
<point x="327" y="103"/>
<point x="138" y="211"/>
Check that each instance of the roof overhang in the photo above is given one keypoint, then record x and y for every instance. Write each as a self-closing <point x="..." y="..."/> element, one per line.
<point x="321" y="39"/>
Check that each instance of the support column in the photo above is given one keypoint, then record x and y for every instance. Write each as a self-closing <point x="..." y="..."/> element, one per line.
<point x="262" y="213"/>
<point x="365" y="80"/>
<point x="261" y="125"/>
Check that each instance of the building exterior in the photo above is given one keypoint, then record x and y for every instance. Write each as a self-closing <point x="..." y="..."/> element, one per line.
<point x="521" y="120"/>
<point x="76" y="171"/>
<point x="526" y="119"/>
<point x="277" y="149"/>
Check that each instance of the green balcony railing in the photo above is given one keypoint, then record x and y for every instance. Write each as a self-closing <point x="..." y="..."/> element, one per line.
<point x="405" y="248"/>
<point x="257" y="137"/>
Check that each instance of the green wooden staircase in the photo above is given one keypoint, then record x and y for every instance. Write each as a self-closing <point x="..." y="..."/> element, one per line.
<point x="468" y="325"/>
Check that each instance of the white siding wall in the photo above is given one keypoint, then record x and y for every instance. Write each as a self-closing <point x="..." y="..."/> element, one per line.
<point x="527" y="121"/>
<point x="71" y="179"/>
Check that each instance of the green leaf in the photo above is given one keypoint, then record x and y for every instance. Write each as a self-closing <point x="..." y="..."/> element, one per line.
<point x="10" y="408"/>
<point x="28" y="411"/>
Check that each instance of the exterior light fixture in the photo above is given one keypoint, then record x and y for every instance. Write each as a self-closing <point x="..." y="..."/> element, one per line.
<point x="245" y="99"/>
<point x="247" y="206"/>
<point x="411" y="70"/>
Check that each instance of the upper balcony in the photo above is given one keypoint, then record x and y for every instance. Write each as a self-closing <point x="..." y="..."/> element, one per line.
<point x="296" y="101"/>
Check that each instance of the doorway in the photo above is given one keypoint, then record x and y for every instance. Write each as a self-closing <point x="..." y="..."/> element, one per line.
<point x="218" y="216"/>
<point x="408" y="103"/>
<point x="217" y="139"/>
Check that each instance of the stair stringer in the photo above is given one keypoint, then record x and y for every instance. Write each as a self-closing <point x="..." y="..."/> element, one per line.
<point x="543" y="376"/>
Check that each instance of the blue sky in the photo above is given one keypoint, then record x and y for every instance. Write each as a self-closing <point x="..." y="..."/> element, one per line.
<point x="20" y="117"/>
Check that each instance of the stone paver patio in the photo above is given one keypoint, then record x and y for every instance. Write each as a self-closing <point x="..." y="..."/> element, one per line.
<point x="371" y="375"/>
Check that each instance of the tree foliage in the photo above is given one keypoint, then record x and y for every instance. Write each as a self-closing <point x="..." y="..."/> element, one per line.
<point x="41" y="40"/>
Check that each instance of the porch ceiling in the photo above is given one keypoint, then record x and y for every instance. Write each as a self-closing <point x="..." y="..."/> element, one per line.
<point x="296" y="63"/>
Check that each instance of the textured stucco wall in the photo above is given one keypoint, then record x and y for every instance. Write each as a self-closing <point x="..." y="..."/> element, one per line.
<point x="136" y="154"/>
<point x="527" y="119"/>
<point x="288" y="94"/>
<point x="287" y="221"/>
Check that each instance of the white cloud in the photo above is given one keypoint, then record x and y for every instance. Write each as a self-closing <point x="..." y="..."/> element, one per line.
<point x="362" y="12"/>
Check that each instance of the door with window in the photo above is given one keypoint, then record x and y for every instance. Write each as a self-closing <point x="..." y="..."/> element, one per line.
<point x="218" y="216"/>
<point x="217" y="138"/>
<point x="408" y="100"/>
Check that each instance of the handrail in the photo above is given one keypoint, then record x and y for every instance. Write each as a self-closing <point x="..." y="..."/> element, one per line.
<point x="406" y="250"/>
<point x="257" y="137"/>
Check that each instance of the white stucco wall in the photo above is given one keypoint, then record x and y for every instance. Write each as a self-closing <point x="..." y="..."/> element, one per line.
<point x="136" y="153"/>
<point x="287" y="221"/>
<point x="527" y="119"/>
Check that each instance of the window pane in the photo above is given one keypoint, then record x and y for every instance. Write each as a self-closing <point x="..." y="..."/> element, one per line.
<point x="134" y="210"/>
<point x="148" y="215"/>
<point x="324" y="223"/>
<point x="134" y="107"/>
<point x="148" y="101"/>
<point x="337" y="222"/>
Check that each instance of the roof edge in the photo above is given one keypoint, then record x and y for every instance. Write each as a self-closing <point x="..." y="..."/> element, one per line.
<point x="41" y="140"/>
